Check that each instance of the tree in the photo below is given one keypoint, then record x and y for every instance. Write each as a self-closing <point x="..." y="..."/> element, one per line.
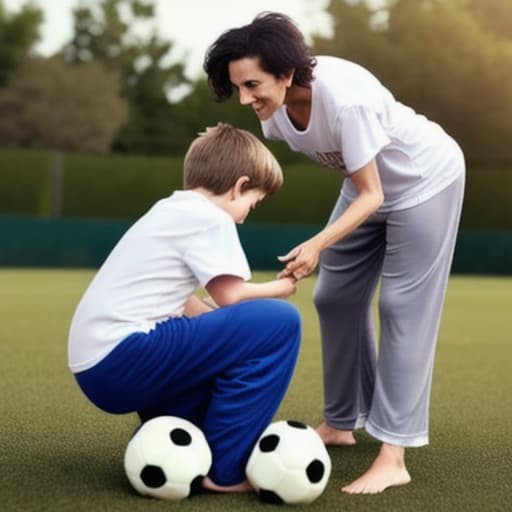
<point x="356" y="35"/>
<point x="494" y="16"/>
<point x="51" y="105"/>
<point x="142" y="62"/>
<point x="18" y="33"/>
<point x="435" y="56"/>
<point x="448" y="67"/>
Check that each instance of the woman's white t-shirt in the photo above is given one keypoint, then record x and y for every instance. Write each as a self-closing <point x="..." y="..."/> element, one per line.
<point x="354" y="119"/>
<point x="182" y="242"/>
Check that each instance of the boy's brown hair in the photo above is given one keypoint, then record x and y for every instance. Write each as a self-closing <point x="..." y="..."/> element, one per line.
<point x="222" y="154"/>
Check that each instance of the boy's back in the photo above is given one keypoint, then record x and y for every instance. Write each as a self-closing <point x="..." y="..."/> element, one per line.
<point x="182" y="242"/>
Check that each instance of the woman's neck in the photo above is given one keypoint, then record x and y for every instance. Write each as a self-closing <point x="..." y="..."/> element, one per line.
<point x="298" y="106"/>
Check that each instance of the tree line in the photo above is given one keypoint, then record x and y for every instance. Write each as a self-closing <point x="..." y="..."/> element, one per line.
<point x="108" y="88"/>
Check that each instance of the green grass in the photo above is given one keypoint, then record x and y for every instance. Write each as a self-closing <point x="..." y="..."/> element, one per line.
<point x="59" y="453"/>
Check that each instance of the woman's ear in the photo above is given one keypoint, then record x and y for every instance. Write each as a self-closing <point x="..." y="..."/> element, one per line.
<point x="289" y="78"/>
<point x="239" y="187"/>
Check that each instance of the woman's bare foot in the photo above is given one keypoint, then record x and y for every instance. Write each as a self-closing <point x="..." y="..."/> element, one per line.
<point x="334" y="436"/>
<point x="387" y="470"/>
<point x="210" y="485"/>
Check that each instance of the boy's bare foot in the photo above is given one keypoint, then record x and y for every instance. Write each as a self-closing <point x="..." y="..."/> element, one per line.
<point x="387" y="470"/>
<point x="334" y="436"/>
<point x="210" y="485"/>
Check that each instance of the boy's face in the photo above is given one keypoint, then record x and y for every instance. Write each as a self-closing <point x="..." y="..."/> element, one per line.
<point x="242" y="203"/>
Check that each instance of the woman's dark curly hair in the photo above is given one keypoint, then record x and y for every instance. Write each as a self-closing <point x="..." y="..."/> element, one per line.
<point x="271" y="36"/>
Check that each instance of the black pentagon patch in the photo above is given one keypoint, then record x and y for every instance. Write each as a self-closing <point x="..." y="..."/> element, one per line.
<point x="269" y="443"/>
<point x="297" y="424"/>
<point x="270" y="497"/>
<point x="180" y="437"/>
<point x="153" y="476"/>
<point x="196" y="486"/>
<point x="315" y="471"/>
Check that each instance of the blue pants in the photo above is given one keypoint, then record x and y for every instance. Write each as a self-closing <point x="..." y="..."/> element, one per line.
<point x="226" y="371"/>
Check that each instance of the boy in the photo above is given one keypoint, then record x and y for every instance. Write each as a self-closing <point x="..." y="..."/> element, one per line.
<point x="140" y="341"/>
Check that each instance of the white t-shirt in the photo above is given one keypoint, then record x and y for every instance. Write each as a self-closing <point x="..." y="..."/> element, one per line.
<point x="354" y="119"/>
<point x="182" y="242"/>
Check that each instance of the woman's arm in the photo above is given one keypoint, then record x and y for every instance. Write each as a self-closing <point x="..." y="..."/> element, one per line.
<point x="303" y="259"/>
<point x="225" y="290"/>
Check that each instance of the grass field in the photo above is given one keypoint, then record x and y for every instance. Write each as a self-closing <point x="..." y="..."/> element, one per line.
<point x="59" y="453"/>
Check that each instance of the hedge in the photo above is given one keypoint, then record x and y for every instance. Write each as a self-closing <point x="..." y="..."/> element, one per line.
<point x="123" y="187"/>
<point x="25" y="182"/>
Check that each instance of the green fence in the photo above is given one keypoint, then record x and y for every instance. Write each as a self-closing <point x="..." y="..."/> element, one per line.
<point x="32" y="241"/>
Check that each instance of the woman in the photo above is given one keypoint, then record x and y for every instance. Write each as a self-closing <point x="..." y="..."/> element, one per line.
<point x="396" y="221"/>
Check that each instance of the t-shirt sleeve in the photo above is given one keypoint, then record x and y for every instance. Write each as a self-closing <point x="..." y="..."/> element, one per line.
<point x="362" y="136"/>
<point x="217" y="251"/>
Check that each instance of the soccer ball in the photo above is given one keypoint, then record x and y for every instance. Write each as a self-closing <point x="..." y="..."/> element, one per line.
<point x="167" y="458"/>
<point x="289" y="464"/>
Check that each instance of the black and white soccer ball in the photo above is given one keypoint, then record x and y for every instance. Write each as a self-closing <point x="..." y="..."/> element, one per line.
<point x="167" y="458"/>
<point x="289" y="464"/>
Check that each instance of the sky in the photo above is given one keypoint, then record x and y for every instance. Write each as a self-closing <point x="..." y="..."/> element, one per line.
<point x="192" y="25"/>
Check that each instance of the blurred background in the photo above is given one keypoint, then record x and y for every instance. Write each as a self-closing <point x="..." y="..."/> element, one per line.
<point x="99" y="100"/>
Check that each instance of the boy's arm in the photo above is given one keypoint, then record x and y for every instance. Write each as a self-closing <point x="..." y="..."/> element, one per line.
<point x="225" y="290"/>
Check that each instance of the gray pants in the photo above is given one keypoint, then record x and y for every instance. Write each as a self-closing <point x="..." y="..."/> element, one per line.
<point x="410" y="251"/>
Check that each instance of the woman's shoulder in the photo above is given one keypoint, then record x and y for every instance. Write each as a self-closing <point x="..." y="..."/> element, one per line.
<point x="328" y="64"/>
<point x="345" y="83"/>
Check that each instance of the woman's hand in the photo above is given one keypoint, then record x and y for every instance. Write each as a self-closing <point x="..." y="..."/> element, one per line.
<point x="301" y="261"/>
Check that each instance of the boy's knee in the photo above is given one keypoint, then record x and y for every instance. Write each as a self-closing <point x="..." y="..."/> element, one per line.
<point x="291" y="327"/>
<point x="280" y="318"/>
<point x="289" y="311"/>
<point x="286" y="314"/>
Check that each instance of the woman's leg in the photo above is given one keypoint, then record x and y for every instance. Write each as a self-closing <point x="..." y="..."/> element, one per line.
<point x="420" y="245"/>
<point x="348" y="276"/>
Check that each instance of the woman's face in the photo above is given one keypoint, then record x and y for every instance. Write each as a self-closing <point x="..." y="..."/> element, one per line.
<point x="261" y="90"/>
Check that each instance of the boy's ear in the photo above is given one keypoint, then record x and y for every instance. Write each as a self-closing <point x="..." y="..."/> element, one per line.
<point x="239" y="187"/>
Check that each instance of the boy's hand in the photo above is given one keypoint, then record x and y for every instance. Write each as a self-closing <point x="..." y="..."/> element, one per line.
<point x="210" y="302"/>
<point x="196" y="306"/>
<point x="289" y="285"/>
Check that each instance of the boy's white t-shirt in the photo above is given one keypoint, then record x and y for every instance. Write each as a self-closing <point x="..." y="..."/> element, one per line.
<point x="354" y="119"/>
<point x="182" y="242"/>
